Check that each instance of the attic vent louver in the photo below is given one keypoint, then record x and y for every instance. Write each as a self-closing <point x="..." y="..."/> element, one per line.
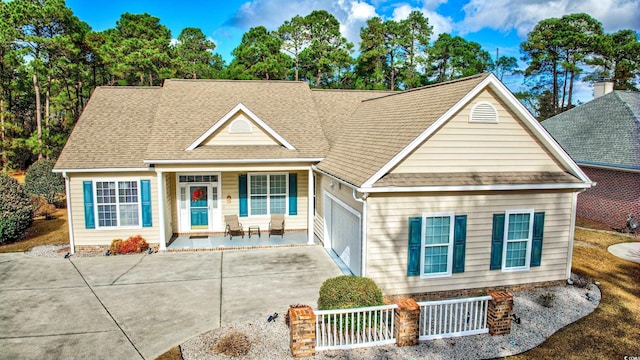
<point x="240" y="126"/>
<point x="484" y="112"/>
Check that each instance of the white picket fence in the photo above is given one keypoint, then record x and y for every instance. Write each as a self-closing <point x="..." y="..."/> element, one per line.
<point x="451" y="318"/>
<point x="351" y="328"/>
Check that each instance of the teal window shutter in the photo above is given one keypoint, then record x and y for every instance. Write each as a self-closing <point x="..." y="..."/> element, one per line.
<point x="497" y="239"/>
<point x="415" y="241"/>
<point x="242" y="195"/>
<point x="89" y="214"/>
<point x="293" y="194"/>
<point x="147" y="212"/>
<point x="536" y="244"/>
<point x="459" y="243"/>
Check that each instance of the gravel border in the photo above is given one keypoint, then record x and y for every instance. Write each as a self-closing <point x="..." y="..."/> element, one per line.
<point x="270" y="340"/>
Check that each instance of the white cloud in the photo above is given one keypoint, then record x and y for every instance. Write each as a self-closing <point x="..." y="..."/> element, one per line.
<point x="441" y="24"/>
<point x="352" y="14"/>
<point x="505" y="15"/>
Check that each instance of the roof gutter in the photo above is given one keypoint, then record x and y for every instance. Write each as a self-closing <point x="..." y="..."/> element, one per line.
<point x="85" y="170"/>
<point x="605" y="166"/>
<point x="315" y="168"/>
<point x="444" y="188"/>
<point x="232" y="161"/>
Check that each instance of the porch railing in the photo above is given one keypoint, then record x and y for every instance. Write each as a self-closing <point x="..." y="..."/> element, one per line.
<point x="351" y="328"/>
<point x="451" y="318"/>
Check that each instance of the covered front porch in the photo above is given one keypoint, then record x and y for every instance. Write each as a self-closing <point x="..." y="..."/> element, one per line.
<point x="221" y="242"/>
<point x="195" y="200"/>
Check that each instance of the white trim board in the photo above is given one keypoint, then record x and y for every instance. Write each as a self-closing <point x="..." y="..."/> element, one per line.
<point x="229" y="115"/>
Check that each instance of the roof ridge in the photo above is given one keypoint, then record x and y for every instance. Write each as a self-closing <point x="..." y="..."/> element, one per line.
<point x="299" y="82"/>
<point x="444" y="83"/>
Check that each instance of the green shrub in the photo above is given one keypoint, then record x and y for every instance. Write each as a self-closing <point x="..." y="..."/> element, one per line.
<point x="345" y="292"/>
<point x="16" y="211"/>
<point x="41" y="180"/>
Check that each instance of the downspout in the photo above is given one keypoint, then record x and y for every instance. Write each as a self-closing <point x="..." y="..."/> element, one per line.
<point x="67" y="188"/>
<point x="363" y="231"/>
<point x="572" y="230"/>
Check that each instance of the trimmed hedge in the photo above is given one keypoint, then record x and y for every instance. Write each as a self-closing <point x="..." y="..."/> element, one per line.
<point x="346" y="292"/>
<point x="16" y="211"/>
<point x="41" y="180"/>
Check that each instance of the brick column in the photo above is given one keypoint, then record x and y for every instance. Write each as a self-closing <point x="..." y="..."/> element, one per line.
<point x="499" y="313"/>
<point x="302" y="332"/>
<point x="407" y="322"/>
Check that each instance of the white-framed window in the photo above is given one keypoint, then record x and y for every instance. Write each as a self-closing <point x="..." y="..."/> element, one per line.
<point x="268" y="193"/>
<point x="117" y="204"/>
<point x="518" y="235"/>
<point x="436" y="258"/>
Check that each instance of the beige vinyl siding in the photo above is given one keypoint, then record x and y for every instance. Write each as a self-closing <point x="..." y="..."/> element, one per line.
<point x="257" y="136"/>
<point x="461" y="146"/>
<point x="83" y="236"/>
<point x="387" y="232"/>
<point x="340" y="191"/>
<point x="292" y="222"/>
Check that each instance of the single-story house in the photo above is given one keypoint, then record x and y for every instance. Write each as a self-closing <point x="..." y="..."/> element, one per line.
<point x="603" y="137"/>
<point x="439" y="189"/>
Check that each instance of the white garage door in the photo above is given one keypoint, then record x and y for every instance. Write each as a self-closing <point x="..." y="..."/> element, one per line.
<point x="344" y="230"/>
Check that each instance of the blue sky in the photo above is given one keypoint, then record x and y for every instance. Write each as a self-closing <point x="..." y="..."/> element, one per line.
<point x="495" y="24"/>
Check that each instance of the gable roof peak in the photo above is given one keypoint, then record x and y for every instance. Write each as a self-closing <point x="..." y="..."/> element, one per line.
<point x="229" y="115"/>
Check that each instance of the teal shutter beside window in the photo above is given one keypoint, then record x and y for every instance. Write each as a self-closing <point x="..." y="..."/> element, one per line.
<point x="145" y="194"/>
<point x="497" y="238"/>
<point x="459" y="243"/>
<point x="536" y="244"/>
<point x="415" y="241"/>
<point x="89" y="214"/>
<point x="242" y="195"/>
<point x="293" y="194"/>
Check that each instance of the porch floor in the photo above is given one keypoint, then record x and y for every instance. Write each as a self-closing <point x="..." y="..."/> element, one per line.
<point x="219" y="242"/>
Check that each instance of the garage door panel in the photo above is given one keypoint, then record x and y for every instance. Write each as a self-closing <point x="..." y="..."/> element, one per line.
<point x="345" y="235"/>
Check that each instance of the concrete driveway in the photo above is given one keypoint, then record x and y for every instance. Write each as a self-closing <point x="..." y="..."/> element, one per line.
<point x="139" y="306"/>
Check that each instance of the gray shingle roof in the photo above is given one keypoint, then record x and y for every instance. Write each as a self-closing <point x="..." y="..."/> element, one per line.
<point x="112" y="130"/>
<point x="604" y="131"/>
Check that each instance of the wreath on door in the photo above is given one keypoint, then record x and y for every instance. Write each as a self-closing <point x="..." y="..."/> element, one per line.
<point x="197" y="194"/>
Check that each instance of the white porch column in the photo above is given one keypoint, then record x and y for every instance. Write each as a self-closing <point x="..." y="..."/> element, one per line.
<point x="310" y="208"/>
<point x="163" y="234"/>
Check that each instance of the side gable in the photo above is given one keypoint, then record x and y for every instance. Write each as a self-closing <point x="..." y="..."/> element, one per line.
<point x="464" y="145"/>
<point x="510" y="102"/>
<point x="240" y="126"/>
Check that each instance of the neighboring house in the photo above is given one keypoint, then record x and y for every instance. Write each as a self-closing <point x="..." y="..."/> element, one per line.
<point x="443" y="188"/>
<point x="603" y="137"/>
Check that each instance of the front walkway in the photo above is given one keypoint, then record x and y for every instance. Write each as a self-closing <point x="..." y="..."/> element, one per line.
<point x="220" y="242"/>
<point x="140" y="306"/>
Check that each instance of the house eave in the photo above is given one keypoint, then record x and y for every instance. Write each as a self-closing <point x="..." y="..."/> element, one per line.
<point x="114" y="170"/>
<point x="605" y="166"/>
<point x="231" y="161"/>
<point x="445" y="188"/>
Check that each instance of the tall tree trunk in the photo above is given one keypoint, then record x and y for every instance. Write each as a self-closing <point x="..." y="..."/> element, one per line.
<point x="47" y="115"/>
<point x="570" y="89"/>
<point x="555" y="87"/>
<point x="150" y="79"/>
<point x="36" y="90"/>
<point x="297" y="63"/>
<point x="2" y="138"/>
<point x="564" y="91"/>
